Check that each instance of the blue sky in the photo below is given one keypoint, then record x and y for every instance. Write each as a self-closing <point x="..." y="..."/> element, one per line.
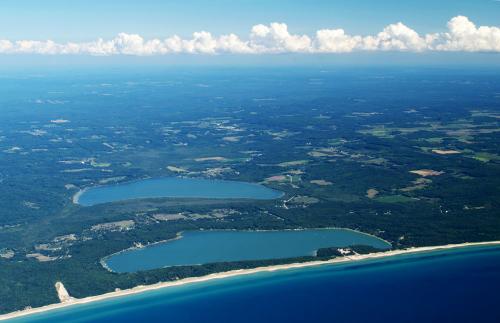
<point x="350" y="29"/>
<point x="77" y="20"/>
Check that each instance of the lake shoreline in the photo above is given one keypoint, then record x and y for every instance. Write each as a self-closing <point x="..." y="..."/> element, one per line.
<point x="76" y="197"/>
<point x="136" y="247"/>
<point x="239" y="272"/>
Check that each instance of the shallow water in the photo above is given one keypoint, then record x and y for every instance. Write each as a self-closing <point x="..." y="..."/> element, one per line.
<point x="176" y="187"/>
<point x="442" y="286"/>
<point x="200" y="247"/>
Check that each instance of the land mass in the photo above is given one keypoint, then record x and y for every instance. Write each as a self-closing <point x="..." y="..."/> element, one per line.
<point x="409" y="156"/>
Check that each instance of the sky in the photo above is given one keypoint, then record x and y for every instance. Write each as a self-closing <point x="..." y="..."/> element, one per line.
<point x="327" y="28"/>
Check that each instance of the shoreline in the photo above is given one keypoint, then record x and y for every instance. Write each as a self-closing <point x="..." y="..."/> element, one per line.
<point x="238" y="272"/>
<point x="76" y="197"/>
<point x="103" y="259"/>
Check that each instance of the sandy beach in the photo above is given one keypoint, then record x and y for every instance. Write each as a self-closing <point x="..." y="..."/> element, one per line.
<point x="232" y="273"/>
<point x="77" y="195"/>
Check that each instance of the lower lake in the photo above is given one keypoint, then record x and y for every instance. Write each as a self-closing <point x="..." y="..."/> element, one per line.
<point x="201" y="247"/>
<point x="175" y="187"/>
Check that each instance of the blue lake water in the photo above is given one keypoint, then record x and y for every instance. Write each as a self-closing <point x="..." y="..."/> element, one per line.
<point x="445" y="286"/>
<point x="200" y="247"/>
<point x="176" y="187"/>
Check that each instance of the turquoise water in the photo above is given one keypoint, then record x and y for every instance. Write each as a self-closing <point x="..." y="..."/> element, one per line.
<point x="176" y="187"/>
<point x="445" y="286"/>
<point x="200" y="247"/>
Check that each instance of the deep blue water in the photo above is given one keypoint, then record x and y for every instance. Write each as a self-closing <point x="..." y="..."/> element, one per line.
<point x="176" y="187"/>
<point x="200" y="247"/>
<point x="447" y="286"/>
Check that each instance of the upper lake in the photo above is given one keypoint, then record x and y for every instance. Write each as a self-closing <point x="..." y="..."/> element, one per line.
<point x="201" y="247"/>
<point x="175" y="187"/>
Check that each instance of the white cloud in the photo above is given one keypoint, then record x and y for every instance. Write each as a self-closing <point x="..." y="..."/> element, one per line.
<point x="399" y="37"/>
<point x="233" y="44"/>
<point x="461" y="35"/>
<point x="336" y="41"/>
<point x="275" y="38"/>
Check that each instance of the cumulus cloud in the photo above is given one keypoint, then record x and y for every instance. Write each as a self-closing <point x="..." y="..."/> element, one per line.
<point x="461" y="35"/>
<point x="275" y="38"/>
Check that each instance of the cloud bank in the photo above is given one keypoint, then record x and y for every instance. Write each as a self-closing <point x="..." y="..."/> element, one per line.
<point x="462" y="35"/>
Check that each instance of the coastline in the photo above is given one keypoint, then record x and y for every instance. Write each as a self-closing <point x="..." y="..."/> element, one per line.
<point x="238" y="272"/>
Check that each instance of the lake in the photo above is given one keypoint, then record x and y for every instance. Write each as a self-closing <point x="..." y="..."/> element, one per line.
<point x="458" y="285"/>
<point x="175" y="187"/>
<point x="201" y="247"/>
